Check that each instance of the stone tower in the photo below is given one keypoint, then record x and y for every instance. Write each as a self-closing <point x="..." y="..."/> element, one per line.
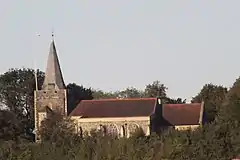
<point x="53" y="95"/>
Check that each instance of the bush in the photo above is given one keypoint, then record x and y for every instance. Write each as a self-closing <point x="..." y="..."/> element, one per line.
<point x="57" y="129"/>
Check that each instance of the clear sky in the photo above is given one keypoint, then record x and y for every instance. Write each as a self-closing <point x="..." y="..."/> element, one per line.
<point x="111" y="45"/>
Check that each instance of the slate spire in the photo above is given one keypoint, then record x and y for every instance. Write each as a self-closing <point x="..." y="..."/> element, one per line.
<point x="53" y="75"/>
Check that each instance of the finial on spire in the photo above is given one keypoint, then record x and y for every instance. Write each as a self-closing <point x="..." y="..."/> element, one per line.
<point x="52" y="34"/>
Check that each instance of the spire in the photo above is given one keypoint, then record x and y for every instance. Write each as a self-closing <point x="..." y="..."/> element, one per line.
<point x="53" y="75"/>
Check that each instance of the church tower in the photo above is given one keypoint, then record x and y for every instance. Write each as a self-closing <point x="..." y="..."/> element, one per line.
<point x="53" y="95"/>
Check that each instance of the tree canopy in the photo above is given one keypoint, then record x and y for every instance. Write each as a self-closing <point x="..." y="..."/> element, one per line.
<point x="213" y="96"/>
<point x="77" y="93"/>
<point x="16" y="94"/>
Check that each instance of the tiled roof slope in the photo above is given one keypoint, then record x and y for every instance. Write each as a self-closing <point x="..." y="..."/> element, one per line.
<point x="175" y="114"/>
<point x="115" y="108"/>
<point x="182" y="114"/>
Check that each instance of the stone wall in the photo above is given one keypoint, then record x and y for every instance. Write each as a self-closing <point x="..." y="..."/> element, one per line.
<point x="56" y="100"/>
<point x="122" y="127"/>
<point x="186" y="127"/>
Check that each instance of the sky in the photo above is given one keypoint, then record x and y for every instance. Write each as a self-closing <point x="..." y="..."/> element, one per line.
<point x="111" y="45"/>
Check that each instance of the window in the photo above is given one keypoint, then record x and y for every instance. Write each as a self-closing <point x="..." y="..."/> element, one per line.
<point x="102" y="129"/>
<point x="112" y="130"/>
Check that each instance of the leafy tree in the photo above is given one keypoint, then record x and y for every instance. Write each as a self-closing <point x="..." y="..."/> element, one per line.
<point x="155" y="89"/>
<point x="231" y="108"/>
<point x="234" y="91"/>
<point x="99" y="94"/>
<point x="213" y="97"/>
<point x="10" y="128"/>
<point x="16" y="94"/>
<point x="130" y="93"/>
<point x="152" y="90"/>
<point x="57" y="128"/>
<point x="174" y="101"/>
<point x="77" y="93"/>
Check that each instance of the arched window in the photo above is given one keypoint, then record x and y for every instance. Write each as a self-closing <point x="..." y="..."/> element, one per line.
<point x="133" y="128"/>
<point x="124" y="130"/>
<point x="102" y="129"/>
<point x="113" y="130"/>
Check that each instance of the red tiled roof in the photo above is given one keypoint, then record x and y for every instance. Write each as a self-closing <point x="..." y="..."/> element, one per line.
<point x="115" y="108"/>
<point x="175" y="114"/>
<point x="182" y="114"/>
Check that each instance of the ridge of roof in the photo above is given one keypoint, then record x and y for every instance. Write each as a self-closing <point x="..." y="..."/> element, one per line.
<point x="180" y="105"/>
<point x="118" y="99"/>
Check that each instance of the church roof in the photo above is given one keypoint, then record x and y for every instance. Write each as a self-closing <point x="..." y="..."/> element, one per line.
<point x="182" y="114"/>
<point x="115" y="108"/>
<point x="53" y="74"/>
<point x="174" y="114"/>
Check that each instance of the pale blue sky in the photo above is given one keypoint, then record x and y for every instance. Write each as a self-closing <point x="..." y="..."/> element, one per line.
<point x="110" y="44"/>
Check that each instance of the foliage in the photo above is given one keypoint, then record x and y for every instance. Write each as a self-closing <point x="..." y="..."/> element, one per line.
<point x="213" y="97"/>
<point x="174" y="101"/>
<point x="10" y="128"/>
<point x="57" y="128"/>
<point x="209" y="142"/>
<point x="155" y="89"/>
<point x="77" y="93"/>
<point x="130" y="92"/>
<point x="99" y="94"/>
<point x="16" y="94"/>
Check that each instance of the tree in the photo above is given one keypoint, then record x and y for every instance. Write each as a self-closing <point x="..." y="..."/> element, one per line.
<point x="231" y="108"/>
<point x="174" y="101"/>
<point x="155" y="89"/>
<point x="57" y="128"/>
<point x="9" y="126"/>
<point x="77" y="93"/>
<point x="234" y="91"/>
<point x="213" y="97"/>
<point x="16" y="94"/>
<point x="151" y="91"/>
<point x="130" y="92"/>
<point x="99" y="94"/>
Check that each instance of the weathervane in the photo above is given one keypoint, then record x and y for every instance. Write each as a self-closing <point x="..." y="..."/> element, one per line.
<point x="52" y="34"/>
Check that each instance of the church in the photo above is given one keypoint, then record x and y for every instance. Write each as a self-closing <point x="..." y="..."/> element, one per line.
<point x="121" y="117"/>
